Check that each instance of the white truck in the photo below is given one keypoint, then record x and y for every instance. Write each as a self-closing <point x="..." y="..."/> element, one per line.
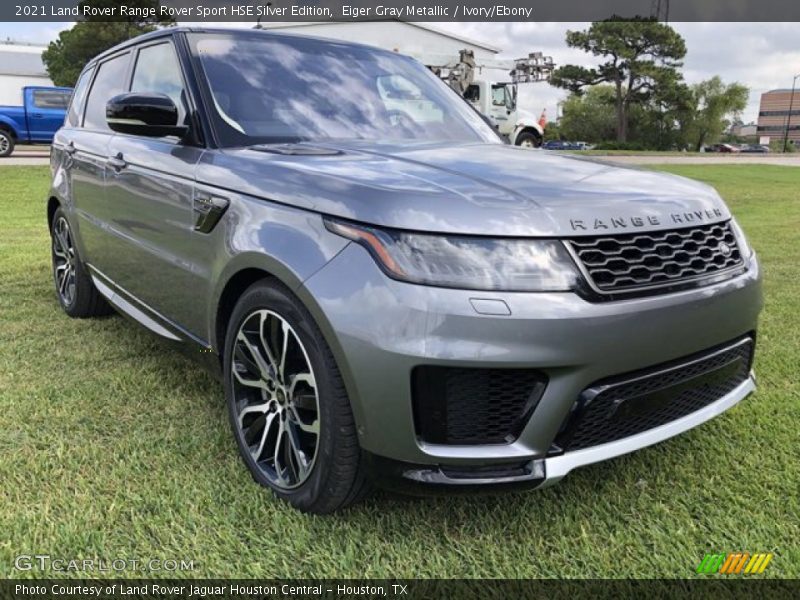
<point x="496" y="100"/>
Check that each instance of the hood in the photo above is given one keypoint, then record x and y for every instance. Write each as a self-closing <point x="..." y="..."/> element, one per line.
<point x="480" y="189"/>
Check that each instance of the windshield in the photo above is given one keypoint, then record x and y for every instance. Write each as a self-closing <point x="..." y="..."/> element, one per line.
<point x="272" y="89"/>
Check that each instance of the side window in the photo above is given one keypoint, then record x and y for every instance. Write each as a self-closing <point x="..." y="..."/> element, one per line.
<point x="51" y="98"/>
<point x="473" y="93"/>
<point x="498" y="95"/>
<point x="158" y="71"/>
<point x="78" y="96"/>
<point x="109" y="82"/>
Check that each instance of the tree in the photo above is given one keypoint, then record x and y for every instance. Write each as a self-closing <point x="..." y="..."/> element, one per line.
<point x="713" y="101"/>
<point x="589" y="117"/>
<point x="640" y="54"/>
<point x="66" y="57"/>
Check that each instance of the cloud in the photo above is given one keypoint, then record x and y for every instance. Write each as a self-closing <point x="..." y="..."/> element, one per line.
<point x="762" y="56"/>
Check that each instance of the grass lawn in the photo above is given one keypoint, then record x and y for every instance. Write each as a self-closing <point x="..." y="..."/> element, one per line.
<point x="114" y="447"/>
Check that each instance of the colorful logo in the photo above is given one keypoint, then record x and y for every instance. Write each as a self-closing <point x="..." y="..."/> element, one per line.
<point x="735" y="563"/>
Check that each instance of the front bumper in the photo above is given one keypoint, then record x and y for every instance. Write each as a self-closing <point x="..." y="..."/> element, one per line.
<point x="380" y="329"/>
<point x="541" y="472"/>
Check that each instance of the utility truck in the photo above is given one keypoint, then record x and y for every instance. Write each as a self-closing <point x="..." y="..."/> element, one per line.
<point x="495" y="99"/>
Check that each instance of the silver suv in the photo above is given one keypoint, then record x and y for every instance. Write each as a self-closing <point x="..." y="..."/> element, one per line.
<point x="387" y="291"/>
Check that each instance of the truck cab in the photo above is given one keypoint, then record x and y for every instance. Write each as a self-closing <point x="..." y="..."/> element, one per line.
<point x="498" y="101"/>
<point x="35" y="120"/>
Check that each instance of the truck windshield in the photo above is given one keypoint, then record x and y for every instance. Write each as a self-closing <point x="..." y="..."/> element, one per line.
<point x="268" y="88"/>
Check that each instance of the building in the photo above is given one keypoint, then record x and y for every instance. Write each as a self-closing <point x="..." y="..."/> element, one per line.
<point x="20" y="65"/>
<point x="773" y="115"/>
<point x="744" y="130"/>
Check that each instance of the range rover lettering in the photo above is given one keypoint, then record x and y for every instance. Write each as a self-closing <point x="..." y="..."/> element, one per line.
<point x="391" y="296"/>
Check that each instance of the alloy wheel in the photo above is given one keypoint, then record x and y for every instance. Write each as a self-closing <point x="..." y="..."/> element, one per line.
<point x="64" y="261"/>
<point x="527" y="144"/>
<point x="4" y="144"/>
<point x="275" y="399"/>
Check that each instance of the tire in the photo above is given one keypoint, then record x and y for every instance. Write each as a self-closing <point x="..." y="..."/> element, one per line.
<point x="7" y="143"/>
<point x="528" y="140"/>
<point x="74" y="288"/>
<point x="275" y="403"/>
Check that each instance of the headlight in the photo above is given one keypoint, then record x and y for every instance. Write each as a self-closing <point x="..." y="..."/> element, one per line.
<point x="466" y="262"/>
<point x="744" y="247"/>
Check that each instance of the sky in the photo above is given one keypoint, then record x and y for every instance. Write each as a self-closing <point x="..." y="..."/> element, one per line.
<point x="762" y="56"/>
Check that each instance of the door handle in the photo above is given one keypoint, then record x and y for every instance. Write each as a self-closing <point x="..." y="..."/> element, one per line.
<point x="37" y="116"/>
<point x="117" y="162"/>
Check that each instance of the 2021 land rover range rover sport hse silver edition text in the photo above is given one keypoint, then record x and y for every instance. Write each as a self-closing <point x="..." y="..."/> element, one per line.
<point x="388" y="292"/>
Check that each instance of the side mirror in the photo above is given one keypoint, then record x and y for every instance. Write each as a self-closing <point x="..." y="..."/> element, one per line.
<point x="152" y="115"/>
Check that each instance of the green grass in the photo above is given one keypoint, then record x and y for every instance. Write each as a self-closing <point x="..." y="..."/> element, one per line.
<point x="112" y="446"/>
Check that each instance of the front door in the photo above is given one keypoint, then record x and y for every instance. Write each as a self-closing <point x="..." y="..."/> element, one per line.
<point x="149" y="192"/>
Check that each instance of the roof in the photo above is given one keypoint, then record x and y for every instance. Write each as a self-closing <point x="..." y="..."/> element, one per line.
<point x="21" y="63"/>
<point x="781" y="91"/>
<point x="425" y="26"/>
<point x="170" y="31"/>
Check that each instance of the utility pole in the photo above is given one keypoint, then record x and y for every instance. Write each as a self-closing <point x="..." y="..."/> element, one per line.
<point x="659" y="10"/>
<point x="789" y="116"/>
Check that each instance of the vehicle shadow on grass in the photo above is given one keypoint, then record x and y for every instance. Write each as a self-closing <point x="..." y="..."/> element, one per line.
<point x="619" y="482"/>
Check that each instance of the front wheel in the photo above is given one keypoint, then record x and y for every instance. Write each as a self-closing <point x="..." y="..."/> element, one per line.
<point x="287" y="403"/>
<point x="527" y="139"/>
<point x="6" y="143"/>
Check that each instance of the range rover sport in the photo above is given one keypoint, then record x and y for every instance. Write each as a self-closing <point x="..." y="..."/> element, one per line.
<point x="388" y="292"/>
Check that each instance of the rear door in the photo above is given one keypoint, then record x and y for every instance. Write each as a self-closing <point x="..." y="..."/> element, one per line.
<point x="154" y="253"/>
<point x="46" y="108"/>
<point x="88" y="147"/>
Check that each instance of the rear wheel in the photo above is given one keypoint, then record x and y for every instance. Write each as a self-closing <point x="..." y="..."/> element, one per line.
<point x="74" y="288"/>
<point x="526" y="139"/>
<point x="6" y="143"/>
<point x="287" y="403"/>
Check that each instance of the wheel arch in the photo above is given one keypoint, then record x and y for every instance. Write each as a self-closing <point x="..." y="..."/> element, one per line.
<point x="240" y="277"/>
<point x="246" y="270"/>
<point x="533" y="128"/>
<point x="8" y="126"/>
<point x="53" y="204"/>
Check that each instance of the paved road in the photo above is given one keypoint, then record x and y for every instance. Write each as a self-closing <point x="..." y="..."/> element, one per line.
<point x="792" y="160"/>
<point x="27" y="155"/>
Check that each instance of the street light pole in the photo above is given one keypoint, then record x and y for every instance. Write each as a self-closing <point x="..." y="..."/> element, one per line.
<point x="789" y="118"/>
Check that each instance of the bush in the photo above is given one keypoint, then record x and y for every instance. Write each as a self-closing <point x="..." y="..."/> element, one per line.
<point x="633" y="146"/>
<point x="777" y="146"/>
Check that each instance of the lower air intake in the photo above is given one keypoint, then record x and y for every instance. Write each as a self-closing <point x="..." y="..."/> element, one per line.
<point x="463" y="406"/>
<point x="620" y="407"/>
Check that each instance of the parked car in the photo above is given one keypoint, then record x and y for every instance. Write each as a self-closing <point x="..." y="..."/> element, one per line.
<point x="418" y="306"/>
<point x="555" y="145"/>
<point x="724" y="148"/>
<point x="36" y="120"/>
<point x="755" y="148"/>
<point x="564" y="145"/>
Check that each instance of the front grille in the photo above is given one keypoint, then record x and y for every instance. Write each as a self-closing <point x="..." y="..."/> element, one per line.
<point x="635" y="261"/>
<point x="460" y="406"/>
<point x="617" y="408"/>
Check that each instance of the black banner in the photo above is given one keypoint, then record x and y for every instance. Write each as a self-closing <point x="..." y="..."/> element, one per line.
<point x="407" y="10"/>
<point x="182" y="589"/>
